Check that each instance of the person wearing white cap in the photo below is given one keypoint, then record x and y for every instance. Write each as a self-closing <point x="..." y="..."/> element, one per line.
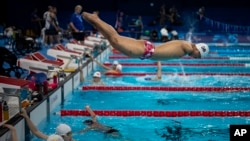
<point x="97" y="78"/>
<point x="55" y="137"/>
<point x="115" y="68"/>
<point x="144" y="49"/>
<point x="63" y="131"/>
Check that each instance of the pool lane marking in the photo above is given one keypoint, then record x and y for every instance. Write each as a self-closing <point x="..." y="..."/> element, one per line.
<point x="161" y="88"/>
<point x="205" y="58"/>
<point x="185" y="64"/>
<point x="239" y="58"/>
<point x="159" y="113"/>
<point x="180" y="74"/>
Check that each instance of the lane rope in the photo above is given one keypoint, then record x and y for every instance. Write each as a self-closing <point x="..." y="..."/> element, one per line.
<point x="205" y="58"/>
<point x="152" y="113"/>
<point x="157" y="88"/>
<point x="239" y="58"/>
<point x="179" y="74"/>
<point x="184" y="64"/>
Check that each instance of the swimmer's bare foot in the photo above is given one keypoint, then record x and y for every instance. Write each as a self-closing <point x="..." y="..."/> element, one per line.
<point x="89" y="17"/>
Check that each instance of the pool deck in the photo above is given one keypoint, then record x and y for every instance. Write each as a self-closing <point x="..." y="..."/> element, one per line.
<point x="55" y="97"/>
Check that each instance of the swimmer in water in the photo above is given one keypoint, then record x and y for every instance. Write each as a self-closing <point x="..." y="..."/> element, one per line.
<point x="93" y="124"/>
<point x="158" y="76"/>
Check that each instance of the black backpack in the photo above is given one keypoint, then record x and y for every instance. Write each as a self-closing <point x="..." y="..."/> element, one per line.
<point x="8" y="66"/>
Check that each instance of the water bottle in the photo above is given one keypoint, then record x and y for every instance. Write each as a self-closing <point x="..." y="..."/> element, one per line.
<point x="5" y="111"/>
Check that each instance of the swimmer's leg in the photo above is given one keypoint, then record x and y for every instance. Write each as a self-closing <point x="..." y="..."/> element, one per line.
<point x="128" y="46"/>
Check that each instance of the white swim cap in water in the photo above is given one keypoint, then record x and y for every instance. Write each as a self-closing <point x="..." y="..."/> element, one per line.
<point x="203" y="49"/>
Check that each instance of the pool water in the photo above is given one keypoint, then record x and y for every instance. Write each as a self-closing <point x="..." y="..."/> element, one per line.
<point x="158" y="100"/>
<point x="151" y="128"/>
<point x="145" y="128"/>
<point x="176" y="80"/>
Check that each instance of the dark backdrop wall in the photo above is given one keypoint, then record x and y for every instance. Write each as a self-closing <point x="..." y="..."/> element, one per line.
<point x="17" y="12"/>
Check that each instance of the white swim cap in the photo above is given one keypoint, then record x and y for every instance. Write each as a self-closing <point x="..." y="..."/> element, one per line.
<point x="203" y="49"/>
<point x="55" y="137"/>
<point x="97" y="74"/>
<point x="119" y="67"/>
<point x="115" y="62"/>
<point x="63" y="129"/>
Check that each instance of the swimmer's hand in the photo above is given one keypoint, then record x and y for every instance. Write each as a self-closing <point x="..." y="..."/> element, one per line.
<point x="87" y="106"/>
<point x="24" y="113"/>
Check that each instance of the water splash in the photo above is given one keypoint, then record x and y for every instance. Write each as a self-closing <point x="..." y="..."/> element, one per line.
<point x="189" y="35"/>
<point x="185" y="78"/>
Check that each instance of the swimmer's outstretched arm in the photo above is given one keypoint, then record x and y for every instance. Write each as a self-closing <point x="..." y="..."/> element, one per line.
<point x="100" y="64"/>
<point x="91" y="112"/>
<point x="93" y="115"/>
<point x="159" y="72"/>
<point x="31" y="125"/>
<point x="85" y="130"/>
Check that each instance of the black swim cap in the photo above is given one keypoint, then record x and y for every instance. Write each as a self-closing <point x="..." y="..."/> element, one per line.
<point x="88" y="122"/>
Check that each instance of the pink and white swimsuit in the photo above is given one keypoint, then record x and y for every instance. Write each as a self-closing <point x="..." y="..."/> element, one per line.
<point x="149" y="50"/>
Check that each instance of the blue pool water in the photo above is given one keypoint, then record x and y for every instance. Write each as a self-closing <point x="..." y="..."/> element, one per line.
<point x="153" y="128"/>
<point x="148" y="100"/>
<point x="143" y="128"/>
<point x="176" y="80"/>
